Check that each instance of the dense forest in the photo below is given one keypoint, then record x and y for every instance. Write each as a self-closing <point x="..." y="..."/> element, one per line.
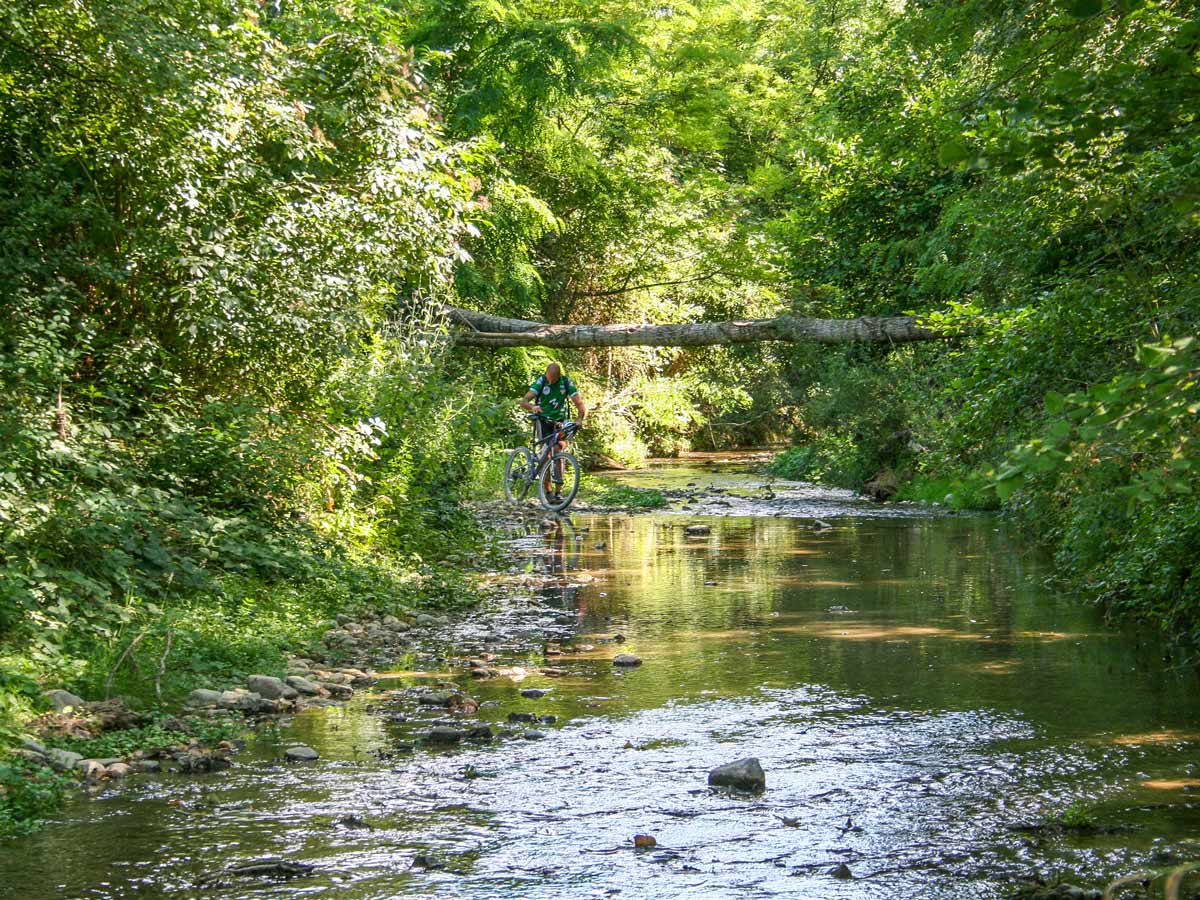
<point x="230" y="394"/>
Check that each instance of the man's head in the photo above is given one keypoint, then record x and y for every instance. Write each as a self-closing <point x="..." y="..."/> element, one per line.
<point x="553" y="372"/>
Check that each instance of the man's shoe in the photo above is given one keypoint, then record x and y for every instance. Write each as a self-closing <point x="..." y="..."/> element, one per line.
<point x="555" y="498"/>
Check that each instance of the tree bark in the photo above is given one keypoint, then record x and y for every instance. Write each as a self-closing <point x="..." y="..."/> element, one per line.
<point x="474" y="329"/>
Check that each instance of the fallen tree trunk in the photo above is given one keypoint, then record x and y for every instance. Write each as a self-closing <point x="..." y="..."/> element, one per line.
<point x="474" y="329"/>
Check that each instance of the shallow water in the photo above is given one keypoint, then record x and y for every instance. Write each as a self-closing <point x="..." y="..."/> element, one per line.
<point x="914" y="693"/>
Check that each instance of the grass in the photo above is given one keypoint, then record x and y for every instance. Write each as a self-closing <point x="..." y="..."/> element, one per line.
<point x="604" y="492"/>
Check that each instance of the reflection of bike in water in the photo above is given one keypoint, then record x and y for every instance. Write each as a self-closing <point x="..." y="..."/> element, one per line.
<point x="560" y="556"/>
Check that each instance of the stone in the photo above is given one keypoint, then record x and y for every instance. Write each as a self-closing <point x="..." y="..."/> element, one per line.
<point x="338" y="691"/>
<point x="883" y="486"/>
<point x="302" y="685"/>
<point x="522" y="717"/>
<point x="697" y="530"/>
<point x="240" y="699"/>
<point x="534" y="735"/>
<point x="743" y="775"/>
<point x="644" y="841"/>
<point x="443" y="734"/>
<point x="270" y="687"/>
<point x="195" y="761"/>
<point x="63" y="760"/>
<point x="91" y="769"/>
<point x="63" y="699"/>
<point x="32" y="746"/>
<point x="146" y="766"/>
<point x="300" y="753"/>
<point x="842" y="871"/>
<point x="480" y="733"/>
<point x="117" y="770"/>
<point x="533" y="693"/>
<point x="203" y="697"/>
<point x="626" y="660"/>
<point x="425" y="619"/>
<point x="435" y="698"/>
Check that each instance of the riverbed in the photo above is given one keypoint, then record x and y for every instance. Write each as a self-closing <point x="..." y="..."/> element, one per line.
<point x="932" y="719"/>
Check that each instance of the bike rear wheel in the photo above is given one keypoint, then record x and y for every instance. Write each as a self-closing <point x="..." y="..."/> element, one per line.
<point x="570" y="483"/>
<point x="518" y="475"/>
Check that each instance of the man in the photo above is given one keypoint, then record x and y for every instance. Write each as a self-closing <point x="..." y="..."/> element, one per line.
<point x="548" y="396"/>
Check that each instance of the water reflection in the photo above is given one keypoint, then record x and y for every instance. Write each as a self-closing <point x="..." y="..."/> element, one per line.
<point x="912" y="690"/>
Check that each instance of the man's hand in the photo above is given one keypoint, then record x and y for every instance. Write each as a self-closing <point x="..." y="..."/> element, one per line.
<point x="535" y="408"/>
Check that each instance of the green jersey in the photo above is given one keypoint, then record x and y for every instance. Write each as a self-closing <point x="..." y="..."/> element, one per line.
<point x="552" y="398"/>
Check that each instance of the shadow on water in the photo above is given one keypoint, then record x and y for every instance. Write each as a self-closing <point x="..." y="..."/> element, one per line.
<point x="914" y="693"/>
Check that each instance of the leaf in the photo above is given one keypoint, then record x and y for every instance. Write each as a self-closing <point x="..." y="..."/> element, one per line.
<point x="1055" y="403"/>
<point x="1084" y="9"/>
<point x="953" y="152"/>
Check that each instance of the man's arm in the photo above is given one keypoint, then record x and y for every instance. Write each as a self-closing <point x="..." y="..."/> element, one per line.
<point x="580" y="408"/>
<point x="527" y="406"/>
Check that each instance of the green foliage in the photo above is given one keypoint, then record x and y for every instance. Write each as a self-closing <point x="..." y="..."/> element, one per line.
<point x="603" y="492"/>
<point x="28" y="793"/>
<point x="1146" y="421"/>
<point x="155" y="736"/>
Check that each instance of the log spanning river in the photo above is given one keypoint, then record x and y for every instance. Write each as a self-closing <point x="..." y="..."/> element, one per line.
<point x="933" y="722"/>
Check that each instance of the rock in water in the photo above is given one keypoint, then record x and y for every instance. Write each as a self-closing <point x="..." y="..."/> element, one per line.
<point x="441" y="734"/>
<point x="300" y="754"/>
<point x="270" y="687"/>
<point x="304" y="686"/>
<point x="842" y="871"/>
<point x="697" y="530"/>
<point x="627" y="660"/>
<point x="644" y="841"/>
<point x="743" y="775"/>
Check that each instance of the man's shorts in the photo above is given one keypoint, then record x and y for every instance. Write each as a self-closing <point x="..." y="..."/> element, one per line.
<point x="545" y="428"/>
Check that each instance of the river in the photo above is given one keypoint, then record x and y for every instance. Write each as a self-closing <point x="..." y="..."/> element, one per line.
<point x="923" y="705"/>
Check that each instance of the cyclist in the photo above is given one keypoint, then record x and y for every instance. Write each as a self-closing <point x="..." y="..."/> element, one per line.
<point x="547" y="397"/>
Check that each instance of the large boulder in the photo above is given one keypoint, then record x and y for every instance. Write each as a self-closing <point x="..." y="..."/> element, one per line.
<point x="270" y="687"/>
<point x="63" y="699"/>
<point x="303" y="686"/>
<point x="202" y="697"/>
<point x="743" y="775"/>
<point x="63" y="760"/>
<point x="300" y="753"/>
<point x="883" y="486"/>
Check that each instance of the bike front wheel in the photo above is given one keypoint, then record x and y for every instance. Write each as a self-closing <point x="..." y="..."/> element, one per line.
<point x="518" y="475"/>
<point x="570" y="483"/>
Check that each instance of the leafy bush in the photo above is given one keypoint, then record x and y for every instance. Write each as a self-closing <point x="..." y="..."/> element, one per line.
<point x="28" y="793"/>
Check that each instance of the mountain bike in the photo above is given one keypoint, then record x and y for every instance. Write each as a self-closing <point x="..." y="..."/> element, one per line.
<point x="542" y="464"/>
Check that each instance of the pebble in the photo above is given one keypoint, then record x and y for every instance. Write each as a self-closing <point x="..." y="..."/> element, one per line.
<point x="300" y="753"/>
<point x="626" y="660"/>
<point x="533" y="693"/>
<point x="534" y="735"/>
